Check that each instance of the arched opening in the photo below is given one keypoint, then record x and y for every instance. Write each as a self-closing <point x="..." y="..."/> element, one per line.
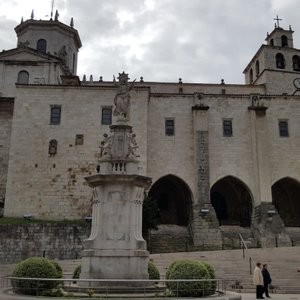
<point x="257" y="68"/>
<point x="272" y="42"/>
<point x="41" y="45"/>
<point x="296" y="63"/>
<point x="232" y="202"/>
<point x="251" y="76"/>
<point x="23" y="77"/>
<point x="284" y="41"/>
<point x="286" y="199"/>
<point x="173" y="199"/>
<point x="280" y="61"/>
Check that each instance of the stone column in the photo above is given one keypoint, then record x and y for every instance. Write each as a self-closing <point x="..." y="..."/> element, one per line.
<point x="205" y="226"/>
<point x="267" y="225"/>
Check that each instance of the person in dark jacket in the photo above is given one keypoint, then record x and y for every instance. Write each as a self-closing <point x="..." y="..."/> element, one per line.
<point x="267" y="279"/>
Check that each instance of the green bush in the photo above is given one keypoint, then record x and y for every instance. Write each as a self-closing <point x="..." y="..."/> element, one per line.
<point x="187" y="269"/>
<point x="76" y="273"/>
<point x="35" y="267"/>
<point x="58" y="268"/>
<point x="153" y="271"/>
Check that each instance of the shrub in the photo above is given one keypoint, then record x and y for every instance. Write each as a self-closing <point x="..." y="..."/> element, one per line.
<point x="35" y="267"/>
<point x="76" y="273"/>
<point x="153" y="271"/>
<point x="58" y="268"/>
<point x="187" y="269"/>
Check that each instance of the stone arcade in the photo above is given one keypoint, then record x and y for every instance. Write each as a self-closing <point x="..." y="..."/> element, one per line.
<point x="224" y="158"/>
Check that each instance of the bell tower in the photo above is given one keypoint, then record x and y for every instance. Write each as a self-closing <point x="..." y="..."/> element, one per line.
<point x="275" y="62"/>
<point x="51" y="37"/>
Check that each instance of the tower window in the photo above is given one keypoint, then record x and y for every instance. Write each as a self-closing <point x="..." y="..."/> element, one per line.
<point x="257" y="68"/>
<point x="296" y="63"/>
<point x="55" y="114"/>
<point x="284" y="41"/>
<point x="106" y="116"/>
<point x="251" y="76"/>
<point x="227" y="127"/>
<point x="23" y="77"/>
<point x="280" y="61"/>
<point x="283" y="128"/>
<point x="169" y="127"/>
<point x="41" y="45"/>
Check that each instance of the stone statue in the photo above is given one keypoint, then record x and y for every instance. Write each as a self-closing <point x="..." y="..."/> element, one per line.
<point x="105" y="146"/>
<point x="122" y="98"/>
<point x="132" y="146"/>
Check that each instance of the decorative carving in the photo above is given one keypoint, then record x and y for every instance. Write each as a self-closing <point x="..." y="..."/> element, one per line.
<point x="52" y="150"/>
<point x="122" y="98"/>
<point x="132" y="146"/>
<point x="105" y="146"/>
<point x="255" y="100"/>
<point x="23" y="44"/>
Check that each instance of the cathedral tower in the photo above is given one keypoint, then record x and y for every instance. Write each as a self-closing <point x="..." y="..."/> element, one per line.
<point x="276" y="64"/>
<point x="51" y="37"/>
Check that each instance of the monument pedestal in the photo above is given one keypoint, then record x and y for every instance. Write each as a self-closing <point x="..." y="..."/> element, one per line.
<point x="116" y="248"/>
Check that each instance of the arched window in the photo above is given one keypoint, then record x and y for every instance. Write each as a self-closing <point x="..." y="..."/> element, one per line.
<point x="257" y="68"/>
<point x="272" y="42"/>
<point x="296" y="63"/>
<point x="284" y="41"/>
<point x="41" y="45"/>
<point x="251" y="76"/>
<point x="52" y="147"/>
<point x="280" y="61"/>
<point x="23" y="77"/>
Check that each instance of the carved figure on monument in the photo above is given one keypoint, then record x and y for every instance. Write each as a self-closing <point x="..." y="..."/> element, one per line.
<point x="105" y="146"/>
<point x="122" y="98"/>
<point x="132" y="146"/>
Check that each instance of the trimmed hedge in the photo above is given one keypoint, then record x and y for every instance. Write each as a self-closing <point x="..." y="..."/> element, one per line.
<point x="35" y="267"/>
<point x="153" y="271"/>
<point x="187" y="269"/>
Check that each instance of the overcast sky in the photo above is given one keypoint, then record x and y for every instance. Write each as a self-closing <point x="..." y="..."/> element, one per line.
<point x="161" y="40"/>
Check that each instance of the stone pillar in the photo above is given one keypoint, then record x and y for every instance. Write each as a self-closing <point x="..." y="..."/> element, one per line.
<point x="205" y="225"/>
<point x="267" y="225"/>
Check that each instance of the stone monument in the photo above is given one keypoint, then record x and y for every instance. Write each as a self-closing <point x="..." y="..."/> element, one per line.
<point x="116" y="248"/>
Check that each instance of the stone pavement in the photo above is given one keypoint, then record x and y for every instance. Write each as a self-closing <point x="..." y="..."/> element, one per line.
<point x="244" y="296"/>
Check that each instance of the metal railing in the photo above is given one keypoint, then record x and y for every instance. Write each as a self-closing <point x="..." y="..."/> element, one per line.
<point x="243" y="245"/>
<point x="111" y="288"/>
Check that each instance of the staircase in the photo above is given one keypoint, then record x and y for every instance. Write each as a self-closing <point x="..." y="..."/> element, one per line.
<point x="283" y="264"/>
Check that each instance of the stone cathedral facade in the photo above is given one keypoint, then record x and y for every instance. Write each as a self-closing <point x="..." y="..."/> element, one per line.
<point x="224" y="158"/>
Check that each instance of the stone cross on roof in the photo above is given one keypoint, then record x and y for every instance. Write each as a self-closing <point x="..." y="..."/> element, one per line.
<point x="277" y="20"/>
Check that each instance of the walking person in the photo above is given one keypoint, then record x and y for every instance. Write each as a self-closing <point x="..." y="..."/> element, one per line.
<point x="267" y="279"/>
<point x="258" y="281"/>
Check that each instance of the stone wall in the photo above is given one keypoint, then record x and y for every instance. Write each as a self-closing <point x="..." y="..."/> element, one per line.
<point x="6" y="111"/>
<point x="54" y="241"/>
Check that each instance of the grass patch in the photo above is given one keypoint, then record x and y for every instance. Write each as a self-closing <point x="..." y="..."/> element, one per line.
<point x="7" y="220"/>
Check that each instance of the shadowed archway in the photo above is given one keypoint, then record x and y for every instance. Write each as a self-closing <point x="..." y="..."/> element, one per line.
<point x="286" y="199"/>
<point x="232" y="202"/>
<point x="174" y="200"/>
